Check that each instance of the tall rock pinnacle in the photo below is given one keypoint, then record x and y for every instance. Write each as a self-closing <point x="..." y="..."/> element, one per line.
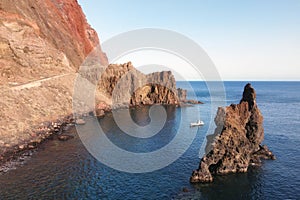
<point x="237" y="142"/>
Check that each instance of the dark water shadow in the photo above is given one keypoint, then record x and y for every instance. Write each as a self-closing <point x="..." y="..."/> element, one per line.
<point x="141" y="117"/>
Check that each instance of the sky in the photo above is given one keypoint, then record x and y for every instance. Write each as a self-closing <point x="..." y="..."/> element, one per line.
<point x="246" y="40"/>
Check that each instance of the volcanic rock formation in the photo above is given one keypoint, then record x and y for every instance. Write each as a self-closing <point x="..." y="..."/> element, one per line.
<point x="42" y="39"/>
<point x="42" y="45"/>
<point x="237" y="140"/>
<point x="181" y="94"/>
<point x="43" y="49"/>
<point x="129" y="87"/>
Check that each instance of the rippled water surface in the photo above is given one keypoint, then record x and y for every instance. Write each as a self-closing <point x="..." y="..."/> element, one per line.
<point x="67" y="170"/>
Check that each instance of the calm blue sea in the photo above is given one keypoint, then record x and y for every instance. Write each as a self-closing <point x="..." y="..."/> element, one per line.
<point x="66" y="170"/>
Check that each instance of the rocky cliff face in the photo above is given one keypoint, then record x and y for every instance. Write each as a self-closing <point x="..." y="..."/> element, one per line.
<point x="129" y="87"/>
<point x="236" y="143"/>
<point x="43" y="38"/>
<point x="182" y="94"/>
<point x="42" y="45"/>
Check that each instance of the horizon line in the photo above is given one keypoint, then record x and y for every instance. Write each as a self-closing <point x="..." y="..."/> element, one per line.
<point x="235" y="80"/>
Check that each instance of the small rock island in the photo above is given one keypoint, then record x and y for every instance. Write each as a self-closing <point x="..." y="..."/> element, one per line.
<point x="237" y="140"/>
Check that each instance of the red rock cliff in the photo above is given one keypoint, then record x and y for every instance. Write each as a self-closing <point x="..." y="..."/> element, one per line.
<point x="59" y="23"/>
<point x="42" y="45"/>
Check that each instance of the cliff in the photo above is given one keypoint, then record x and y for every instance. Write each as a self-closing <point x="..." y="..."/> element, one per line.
<point x="236" y="143"/>
<point x="127" y="86"/>
<point x="42" y="45"/>
<point x="43" y="38"/>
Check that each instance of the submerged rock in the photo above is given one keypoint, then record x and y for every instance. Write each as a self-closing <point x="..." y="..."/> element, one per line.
<point x="237" y="140"/>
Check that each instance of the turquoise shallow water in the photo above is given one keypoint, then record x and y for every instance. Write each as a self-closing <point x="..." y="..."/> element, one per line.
<point x="66" y="170"/>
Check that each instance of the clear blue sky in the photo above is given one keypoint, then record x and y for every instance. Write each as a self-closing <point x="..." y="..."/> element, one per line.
<point x="251" y="39"/>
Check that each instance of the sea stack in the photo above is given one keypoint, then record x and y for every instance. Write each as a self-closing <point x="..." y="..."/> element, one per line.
<point x="237" y="140"/>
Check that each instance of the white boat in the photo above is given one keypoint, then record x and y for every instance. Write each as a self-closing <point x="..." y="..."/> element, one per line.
<point x="198" y="123"/>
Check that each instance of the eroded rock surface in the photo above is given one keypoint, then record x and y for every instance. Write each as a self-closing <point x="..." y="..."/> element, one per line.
<point x="129" y="87"/>
<point x="43" y="38"/>
<point x="236" y="143"/>
<point x="42" y="45"/>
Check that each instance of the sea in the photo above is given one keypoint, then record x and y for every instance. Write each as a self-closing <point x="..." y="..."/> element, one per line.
<point x="84" y="168"/>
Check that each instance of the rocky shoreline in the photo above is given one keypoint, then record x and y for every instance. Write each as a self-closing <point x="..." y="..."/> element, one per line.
<point x="47" y="131"/>
<point x="161" y="89"/>
<point x="45" y="46"/>
<point x="42" y="45"/>
<point x="14" y="155"/>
